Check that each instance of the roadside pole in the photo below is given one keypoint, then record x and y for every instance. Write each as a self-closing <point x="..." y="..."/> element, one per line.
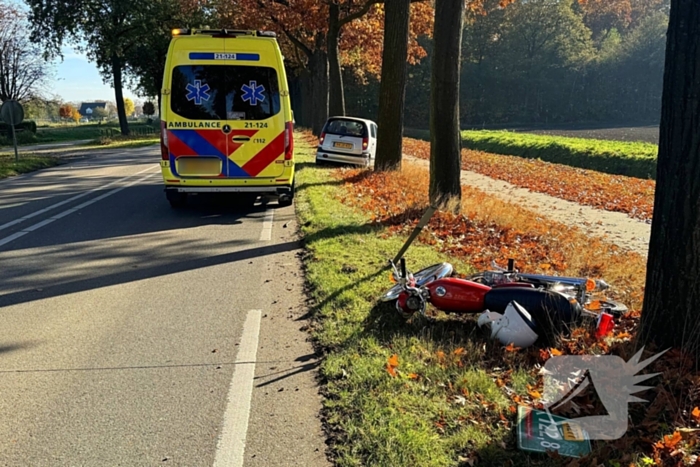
<point x="12" y="113"/>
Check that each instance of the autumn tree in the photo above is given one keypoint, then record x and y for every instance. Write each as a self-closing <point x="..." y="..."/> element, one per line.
<point x="66" y="111"/>
<point x="129" y="107"/>
<point x="392" y="90"/>
<point x="75" y="116"/>
<point x="445" y="142"/>
<point x="671" y="298"/>
<point x="303" y="27"/>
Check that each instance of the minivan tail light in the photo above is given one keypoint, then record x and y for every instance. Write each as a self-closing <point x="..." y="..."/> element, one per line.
<point x="288" y="141"/>
<point x="365" y="143"/>
<point x="164" y="152"/>
<point x="323" y="137"/>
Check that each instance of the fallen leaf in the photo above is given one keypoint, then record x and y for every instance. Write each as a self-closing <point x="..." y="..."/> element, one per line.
<point x="392" y="364"/>
<point x="512" y="348"/>
<point x="534" y="394"/>
<point x="413" y="376"/>
<point x="460" y="351"/>
<point x="556" y="353"/>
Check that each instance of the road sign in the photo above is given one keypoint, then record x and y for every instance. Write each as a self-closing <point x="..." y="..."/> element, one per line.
<point x="12" y="113"/>
<point x="540" y="431"/>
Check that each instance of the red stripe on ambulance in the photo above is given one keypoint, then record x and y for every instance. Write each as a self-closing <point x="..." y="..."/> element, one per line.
<point x="177" y="147"/>
<point x="265" y="157"/>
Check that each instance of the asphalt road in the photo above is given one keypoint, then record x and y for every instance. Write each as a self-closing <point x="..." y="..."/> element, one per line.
<point x="136" y="335"/>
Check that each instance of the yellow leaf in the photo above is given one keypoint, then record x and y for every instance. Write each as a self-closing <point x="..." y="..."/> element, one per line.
<point x="460" y="351"/>
<point x="534" y="394"/>
<point x="555" y="352"/>
<point x="413" y="375"/>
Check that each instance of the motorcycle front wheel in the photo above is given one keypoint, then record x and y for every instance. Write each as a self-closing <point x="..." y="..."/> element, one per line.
<point x="422" y="278"/>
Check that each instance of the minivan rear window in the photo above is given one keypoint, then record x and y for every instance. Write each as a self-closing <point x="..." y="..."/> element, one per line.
<point x="346" y="128"/>
<point x="224" y="92"/>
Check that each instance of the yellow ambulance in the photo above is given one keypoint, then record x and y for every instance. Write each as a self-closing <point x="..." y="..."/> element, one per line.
<point x="226" y="117"/>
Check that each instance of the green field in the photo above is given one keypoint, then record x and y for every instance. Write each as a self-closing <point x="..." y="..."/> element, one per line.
<point x="613" y="157"/>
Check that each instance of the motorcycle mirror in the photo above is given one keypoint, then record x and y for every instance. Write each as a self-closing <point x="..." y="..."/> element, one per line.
<point x="403" y="268"/>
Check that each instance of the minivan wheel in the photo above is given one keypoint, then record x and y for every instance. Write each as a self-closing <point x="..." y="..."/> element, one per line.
<point x="176" y="199"/>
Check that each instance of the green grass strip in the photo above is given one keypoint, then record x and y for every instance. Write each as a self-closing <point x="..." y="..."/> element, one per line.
<point x="419" y="417"/>
<point x="9" y="168"/>
<point x="633" y="159"/>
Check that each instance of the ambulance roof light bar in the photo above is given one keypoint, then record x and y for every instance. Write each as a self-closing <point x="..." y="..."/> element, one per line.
<point x="223" y="32"/>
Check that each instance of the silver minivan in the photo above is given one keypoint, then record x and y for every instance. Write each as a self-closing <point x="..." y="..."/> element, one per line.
<point x="348" y="140"/>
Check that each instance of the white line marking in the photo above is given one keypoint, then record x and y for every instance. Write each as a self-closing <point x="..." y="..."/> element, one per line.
<point x="66" y="201"/>
<point x="231" y="445"/>
<point x="32" y="228"/>
<point x="266" y="234"/>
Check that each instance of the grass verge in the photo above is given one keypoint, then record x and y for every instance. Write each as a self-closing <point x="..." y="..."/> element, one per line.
<point x="438" y="392"/>
<point x="9" y="168"/>
<point x="613" y="157"/>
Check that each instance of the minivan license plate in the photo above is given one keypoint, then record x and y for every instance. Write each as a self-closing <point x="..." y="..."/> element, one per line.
<point x="339" y="144"/>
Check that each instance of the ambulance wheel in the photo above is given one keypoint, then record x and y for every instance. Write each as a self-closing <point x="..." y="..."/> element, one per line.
<point x="177" y="200"/>
<point x="286" y="199"/>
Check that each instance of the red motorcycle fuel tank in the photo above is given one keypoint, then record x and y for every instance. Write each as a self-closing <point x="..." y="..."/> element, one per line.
<point x="457" y="295"/>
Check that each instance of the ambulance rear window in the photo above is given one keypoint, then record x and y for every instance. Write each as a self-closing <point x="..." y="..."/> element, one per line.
<point x="225" y="92"/>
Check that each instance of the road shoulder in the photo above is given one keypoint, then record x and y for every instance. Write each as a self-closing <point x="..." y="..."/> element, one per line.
<point x="285" y="427"/>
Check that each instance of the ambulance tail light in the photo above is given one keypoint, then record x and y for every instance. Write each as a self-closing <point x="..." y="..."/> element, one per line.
<point x="289" y="141"/>
<point x="365" y="143"/>
<point x="164" y="152"/>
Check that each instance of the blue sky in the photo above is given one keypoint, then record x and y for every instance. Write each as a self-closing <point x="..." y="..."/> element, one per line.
<point x="78" y="80"/>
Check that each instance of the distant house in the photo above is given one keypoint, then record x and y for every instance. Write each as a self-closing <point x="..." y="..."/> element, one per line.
<point x="87" y="108"/>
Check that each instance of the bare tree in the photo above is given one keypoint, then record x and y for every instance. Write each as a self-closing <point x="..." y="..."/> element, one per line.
<point x="23" y="70"/>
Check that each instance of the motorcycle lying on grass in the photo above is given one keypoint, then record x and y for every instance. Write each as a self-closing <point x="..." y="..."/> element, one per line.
<point x="520" y="307"/>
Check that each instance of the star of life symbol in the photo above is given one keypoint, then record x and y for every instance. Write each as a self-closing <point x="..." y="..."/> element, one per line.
<point x="253" y="93"/>
<point x="613" y="379"/>
<point x="197" y="92"/>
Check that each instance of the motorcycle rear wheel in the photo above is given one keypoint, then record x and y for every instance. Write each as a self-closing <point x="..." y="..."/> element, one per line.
<point x="422" y="278"/>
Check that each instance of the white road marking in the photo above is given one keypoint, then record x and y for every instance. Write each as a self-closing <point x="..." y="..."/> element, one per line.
<point x="69" y="200"/>
<point x="266" y="234"/>
<point x="45" y="222"/>
<point x="231" y="446"/>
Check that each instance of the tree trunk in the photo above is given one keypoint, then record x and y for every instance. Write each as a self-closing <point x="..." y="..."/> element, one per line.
<point x="318" y="67"/>
<point x="307" y="100"/>
<point x="445" y="140"/>
<point x="119" y="95"/>
<point x="392" y="90"/>
<point x="337" y="94"/>
<point x="671" y="313"/>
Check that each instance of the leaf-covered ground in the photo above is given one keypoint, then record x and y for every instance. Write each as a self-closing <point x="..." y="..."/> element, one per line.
<point x="632" y="196"/>
<point x="440" y="392"/>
